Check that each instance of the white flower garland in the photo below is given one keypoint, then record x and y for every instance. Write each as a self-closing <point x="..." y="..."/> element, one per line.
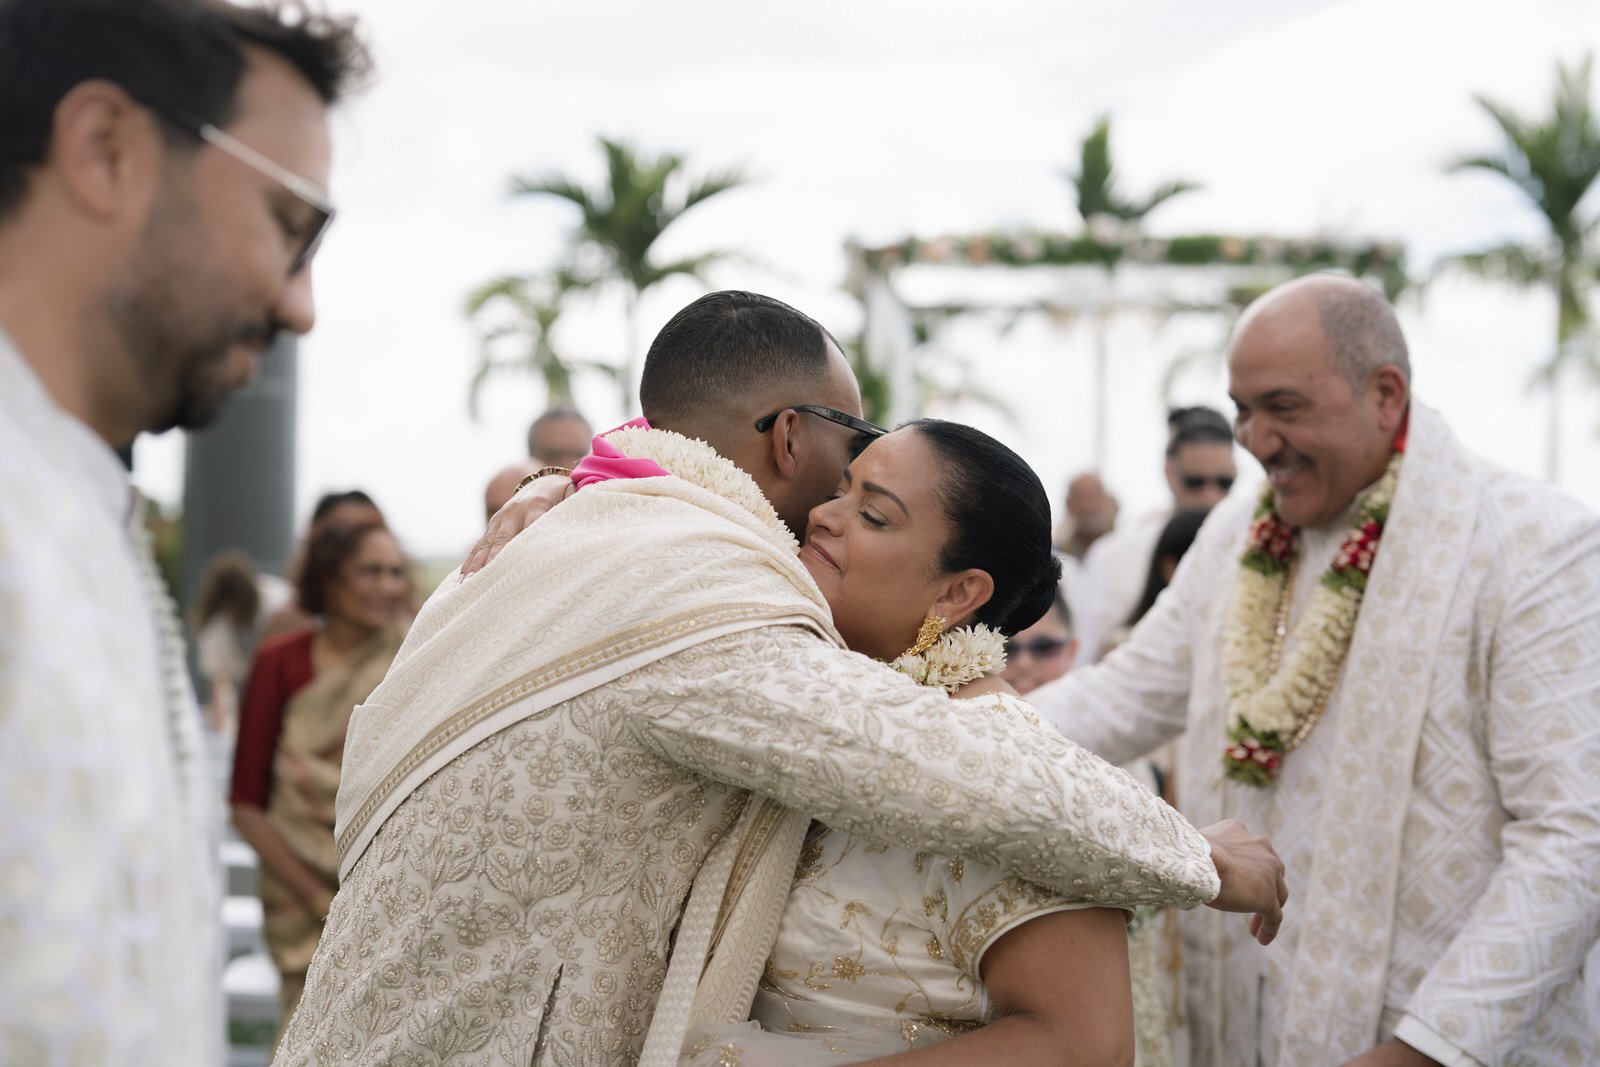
<point x="696" y="462"/>
<point x="959" y="656"/>
<point x="1271" y="707"/>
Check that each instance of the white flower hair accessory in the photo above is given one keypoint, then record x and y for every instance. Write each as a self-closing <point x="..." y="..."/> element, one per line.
<point x="956" y="657"/>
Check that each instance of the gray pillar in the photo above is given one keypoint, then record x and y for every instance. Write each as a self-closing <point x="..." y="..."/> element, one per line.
<point x="238" y="489"/>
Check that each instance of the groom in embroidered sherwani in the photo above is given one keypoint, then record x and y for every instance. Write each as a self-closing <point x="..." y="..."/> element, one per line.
<point x="566" y="745"/>
<point x="1441" y="821"/>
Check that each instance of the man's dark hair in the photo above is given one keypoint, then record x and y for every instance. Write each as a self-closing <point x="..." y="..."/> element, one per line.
<point x="552" y="415"/>
<point x="178" y="57"/>
<point x="999" y="517"/>
<point x="724" y="344"/>
<point x="1196" y="425"/>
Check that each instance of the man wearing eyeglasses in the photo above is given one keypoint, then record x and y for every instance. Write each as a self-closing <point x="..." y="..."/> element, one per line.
<point x="1199" y="471"/>
<point x="163" y="167"/>
<point x="642" y="702"/>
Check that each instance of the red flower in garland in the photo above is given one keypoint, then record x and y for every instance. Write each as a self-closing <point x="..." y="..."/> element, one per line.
<point x="1359" y="549"/>
<point x="1253" y="760"/>
<point x="1273" y="538"/>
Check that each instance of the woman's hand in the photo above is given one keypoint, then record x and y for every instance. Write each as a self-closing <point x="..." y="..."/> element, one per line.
<point x="519" y="513"/>
<point x="277" y="857"/>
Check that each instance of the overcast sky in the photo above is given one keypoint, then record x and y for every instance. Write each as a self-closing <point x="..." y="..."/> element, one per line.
<point x="873" y="120"/>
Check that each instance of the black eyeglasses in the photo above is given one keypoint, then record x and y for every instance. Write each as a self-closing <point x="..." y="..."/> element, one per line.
<point x="867" y="430"/>
<point x="1038" y="648"/>
<point x="303" y="190"/>
<point x="1196" y="482"/>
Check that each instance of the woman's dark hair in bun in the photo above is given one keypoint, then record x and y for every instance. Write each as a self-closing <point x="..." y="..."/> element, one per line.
<point x="999" y="522"/>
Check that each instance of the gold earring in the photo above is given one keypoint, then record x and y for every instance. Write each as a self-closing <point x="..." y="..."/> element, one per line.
<point x="931" y="628"/>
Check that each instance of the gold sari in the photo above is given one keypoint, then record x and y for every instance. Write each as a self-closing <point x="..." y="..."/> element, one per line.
<point x="305" y="782"/>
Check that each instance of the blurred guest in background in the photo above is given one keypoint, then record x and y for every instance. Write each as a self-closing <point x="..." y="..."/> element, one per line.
<point x="1043" y="652"/>
<point x="1199" y="470"/>
<point x="303" y="686"/>
<point x="1091" y="514"/>
<point x="348" y="508"/>
<point x="504" y="485"/>
<point x="223" y="621"/>
<point x="559" y="438"/>
<point x="1174" y="540"/>
<point x="161" y="176"/>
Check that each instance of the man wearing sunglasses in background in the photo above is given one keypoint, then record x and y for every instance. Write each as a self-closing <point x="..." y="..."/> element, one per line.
<point x="1199" y="471"/>
<point x="162" y="174"/>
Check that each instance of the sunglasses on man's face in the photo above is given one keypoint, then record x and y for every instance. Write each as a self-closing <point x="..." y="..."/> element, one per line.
<point x="1196" y="482"/>
<point x="866" y="432"/>
<point x="1038" y="648"/>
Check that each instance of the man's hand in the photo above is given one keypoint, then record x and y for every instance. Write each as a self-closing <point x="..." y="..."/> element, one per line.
<point x="1252" y="876"/>
<point x="1392" y="1053"/>
<point x="519" y="513"/>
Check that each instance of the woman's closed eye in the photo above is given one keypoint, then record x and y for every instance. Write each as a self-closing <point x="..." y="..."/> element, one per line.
<point x="872" y="520"/>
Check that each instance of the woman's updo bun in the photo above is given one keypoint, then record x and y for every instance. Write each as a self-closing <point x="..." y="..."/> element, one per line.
<point x="999" y="522"/>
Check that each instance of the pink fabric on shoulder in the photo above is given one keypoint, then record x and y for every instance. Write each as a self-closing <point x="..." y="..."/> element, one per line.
<point x="604" y="462"/>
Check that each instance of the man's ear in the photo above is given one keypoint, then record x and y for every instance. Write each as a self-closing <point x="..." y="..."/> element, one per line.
<point x="106" y="149"/>
<point x="1394" y="393"/>
<point x="784" y="444"/>
<point x="963" y="593"/>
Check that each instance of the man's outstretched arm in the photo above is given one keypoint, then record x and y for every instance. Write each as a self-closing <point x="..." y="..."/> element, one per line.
<point x="850" y="742"/>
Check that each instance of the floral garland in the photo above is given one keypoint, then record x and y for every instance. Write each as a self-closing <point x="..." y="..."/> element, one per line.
<point x="1272" y="710"/>
<point x="959" y="656"/>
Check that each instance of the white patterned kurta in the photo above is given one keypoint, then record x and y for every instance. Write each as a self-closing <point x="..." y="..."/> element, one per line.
<point x="1441" y="824"/>
<point x="109" y="917"/>
<point x="516" y="905"/>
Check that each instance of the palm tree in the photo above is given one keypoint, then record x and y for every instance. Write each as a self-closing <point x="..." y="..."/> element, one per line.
<point x="1108" y="215"/>
<point x="621" y="220"/>
<point x="1554" y="161"/>
<point x="1096" y="182"/>
<point x="519" y="312"/>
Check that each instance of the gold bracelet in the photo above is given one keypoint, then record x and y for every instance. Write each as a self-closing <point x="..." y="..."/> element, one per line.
<point x="540" y="473"/>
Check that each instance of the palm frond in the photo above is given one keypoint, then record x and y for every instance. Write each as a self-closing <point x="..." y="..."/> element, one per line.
<point x="713" y="185"/>
<point x="1161" y="195"/>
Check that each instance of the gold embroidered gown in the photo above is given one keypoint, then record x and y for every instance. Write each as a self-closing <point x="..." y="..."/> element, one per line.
<point x="877" y="953"/>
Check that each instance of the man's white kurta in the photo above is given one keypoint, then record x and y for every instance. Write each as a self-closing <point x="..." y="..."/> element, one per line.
<point x="1441" y="825"/>
<point x="109" y="918"/>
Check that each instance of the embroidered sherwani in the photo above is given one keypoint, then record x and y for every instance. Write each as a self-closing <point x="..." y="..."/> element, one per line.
<point x="1441" y="824"/>
<point x="109" y="879"/>
<point x="568" y="744"/>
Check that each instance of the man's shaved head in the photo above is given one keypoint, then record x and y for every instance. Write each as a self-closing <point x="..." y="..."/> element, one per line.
<point x="1359" y="327"/>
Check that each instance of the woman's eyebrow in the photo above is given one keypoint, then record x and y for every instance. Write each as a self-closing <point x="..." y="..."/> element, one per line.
<point x="873" y="487"/>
